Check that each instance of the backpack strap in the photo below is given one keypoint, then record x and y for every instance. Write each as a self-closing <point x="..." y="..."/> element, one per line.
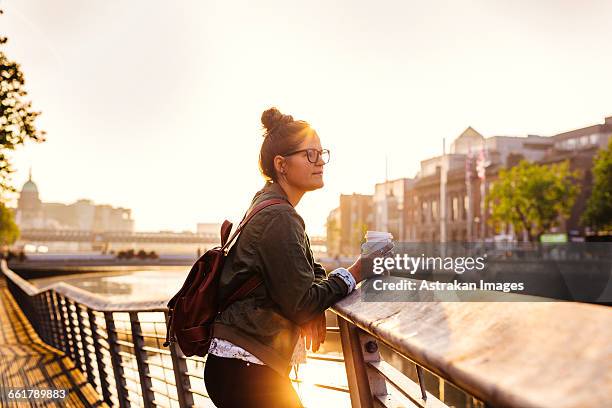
<point x="246" y="288"/>
<point x="226" y="228"/>
<point x="255" y="280"/>
<point x="251" y="214"/>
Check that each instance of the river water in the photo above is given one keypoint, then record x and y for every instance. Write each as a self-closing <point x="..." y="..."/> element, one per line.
<point x="125" y="286"/>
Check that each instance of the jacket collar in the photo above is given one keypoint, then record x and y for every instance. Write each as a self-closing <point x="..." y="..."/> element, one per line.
<point x="271" y="190"/>
<point x="276" y="189"/>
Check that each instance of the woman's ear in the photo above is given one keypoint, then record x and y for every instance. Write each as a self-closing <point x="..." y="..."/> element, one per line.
<point x="279" y="164"/>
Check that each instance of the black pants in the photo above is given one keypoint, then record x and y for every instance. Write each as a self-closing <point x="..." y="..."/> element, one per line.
<point x="231" y="382"/>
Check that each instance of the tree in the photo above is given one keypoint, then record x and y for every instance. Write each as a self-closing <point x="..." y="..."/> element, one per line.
<point x="598" y="213"/>
<point x="8" y="229"/>
<point x="359" y="230"/>
<point x="532" y="197"/>
<point x="16" y="115"/>
<point x="333" y="236"/>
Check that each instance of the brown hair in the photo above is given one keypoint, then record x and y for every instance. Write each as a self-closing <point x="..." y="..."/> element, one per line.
<point x="282" y="135"/>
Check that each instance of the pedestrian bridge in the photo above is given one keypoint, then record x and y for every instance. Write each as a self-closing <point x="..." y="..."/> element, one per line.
<point x="27" y="363"/>
<point x="395" y="354"/>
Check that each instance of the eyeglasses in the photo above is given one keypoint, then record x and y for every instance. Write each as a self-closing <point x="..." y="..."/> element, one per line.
<point x="313" y="155"/>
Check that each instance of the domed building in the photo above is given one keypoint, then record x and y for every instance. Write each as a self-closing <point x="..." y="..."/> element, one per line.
<point x="83" y="215"/>
<point x="29" y="207"/>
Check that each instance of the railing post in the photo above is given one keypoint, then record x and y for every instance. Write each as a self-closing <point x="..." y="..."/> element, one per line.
<point x="75" y="344"/>
<point x="50" y="316"/>
<point x="95" y="338"/>
<point x="37" y="322"/>
<point x="42" y="312"/>
<point x="371" y="354"/>
<point x="68" y="328"/>
<point x="360" y="349"/>
<point x="60" y="332"/>
<point x="179" y="365"/>
<point x="357" y="377"/>
<point x="68" y="333"/>
<point x="52" y="319"/>
<point x="84" y="346"/>
<point x="33" y="314"/>
<point x="113" y="347"/>
<point x="141" y="357"/>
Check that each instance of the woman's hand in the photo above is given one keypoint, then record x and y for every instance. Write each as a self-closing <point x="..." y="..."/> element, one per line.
<point x="314" y="331"/>
<point x="355" y="270"/>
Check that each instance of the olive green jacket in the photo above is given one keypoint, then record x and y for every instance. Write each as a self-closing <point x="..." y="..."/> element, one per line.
<point x="295" y="288"/>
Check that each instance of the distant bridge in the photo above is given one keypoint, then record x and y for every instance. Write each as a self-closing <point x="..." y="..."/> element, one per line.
<point x="48" y="235"/>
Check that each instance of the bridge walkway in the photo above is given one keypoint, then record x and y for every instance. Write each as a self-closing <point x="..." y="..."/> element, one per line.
<point x="28" y="363"/>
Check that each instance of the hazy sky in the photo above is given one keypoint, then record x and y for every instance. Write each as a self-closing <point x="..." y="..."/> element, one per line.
<point x="156" y="105"/>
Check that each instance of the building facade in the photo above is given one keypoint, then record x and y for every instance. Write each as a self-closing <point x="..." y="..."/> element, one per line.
<point x="390" y="210"/>
<point x="83" y="215"/>
<point x="473" y="164"/>
<point x="347" y="224"/>
<point x="209" y="229"/>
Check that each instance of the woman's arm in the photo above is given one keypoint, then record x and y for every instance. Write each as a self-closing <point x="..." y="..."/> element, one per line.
<point x="319" y="271"/>
<point x="289" y="276"/>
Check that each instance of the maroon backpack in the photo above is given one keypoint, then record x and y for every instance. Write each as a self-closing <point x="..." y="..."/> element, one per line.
<point x="193" y="309"/>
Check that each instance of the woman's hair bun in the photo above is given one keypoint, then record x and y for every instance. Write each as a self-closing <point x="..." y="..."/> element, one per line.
<point x="273" y="118"/>
<point x="281" y="134"/>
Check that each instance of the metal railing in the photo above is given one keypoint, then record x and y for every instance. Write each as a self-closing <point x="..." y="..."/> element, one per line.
<point x="395" y="354"/>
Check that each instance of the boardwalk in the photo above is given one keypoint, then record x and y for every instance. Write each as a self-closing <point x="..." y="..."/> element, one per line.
<point x="427" y="354"/>
<point x="27" y="362"/>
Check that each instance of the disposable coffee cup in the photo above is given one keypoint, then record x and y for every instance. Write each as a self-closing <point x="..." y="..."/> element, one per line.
<point x="378" y="236"/>
<point x="377" y="241"/>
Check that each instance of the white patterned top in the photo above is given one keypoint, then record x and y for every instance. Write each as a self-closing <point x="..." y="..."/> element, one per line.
<point x="224" y="348"/>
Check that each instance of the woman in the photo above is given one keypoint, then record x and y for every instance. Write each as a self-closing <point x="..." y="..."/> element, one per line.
<point x="257" y="339"/>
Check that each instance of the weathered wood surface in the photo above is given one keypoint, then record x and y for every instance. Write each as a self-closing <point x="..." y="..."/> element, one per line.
<point x="27" y="362"/>
<point x="518" y="354"/>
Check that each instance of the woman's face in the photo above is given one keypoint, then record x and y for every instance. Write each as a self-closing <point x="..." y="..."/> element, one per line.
<point x="299" y="171"/>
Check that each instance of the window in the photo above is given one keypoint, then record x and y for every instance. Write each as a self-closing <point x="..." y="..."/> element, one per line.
<point x="455" y="209"/>
<point x="424" y="211"/>
<point x="434" y="210"/>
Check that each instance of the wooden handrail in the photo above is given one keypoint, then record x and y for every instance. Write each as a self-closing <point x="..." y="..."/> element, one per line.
<point x="510" y="354"/>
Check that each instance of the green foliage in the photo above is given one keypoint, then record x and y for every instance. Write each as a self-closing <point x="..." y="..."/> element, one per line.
<point x="598" y="213"/>
<point x="532" y="197"/>
<point x="16" y="115"/>
<point x="333" y="236"/>
<point x="359" y="231"/>
<point x="8" y="229"/>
